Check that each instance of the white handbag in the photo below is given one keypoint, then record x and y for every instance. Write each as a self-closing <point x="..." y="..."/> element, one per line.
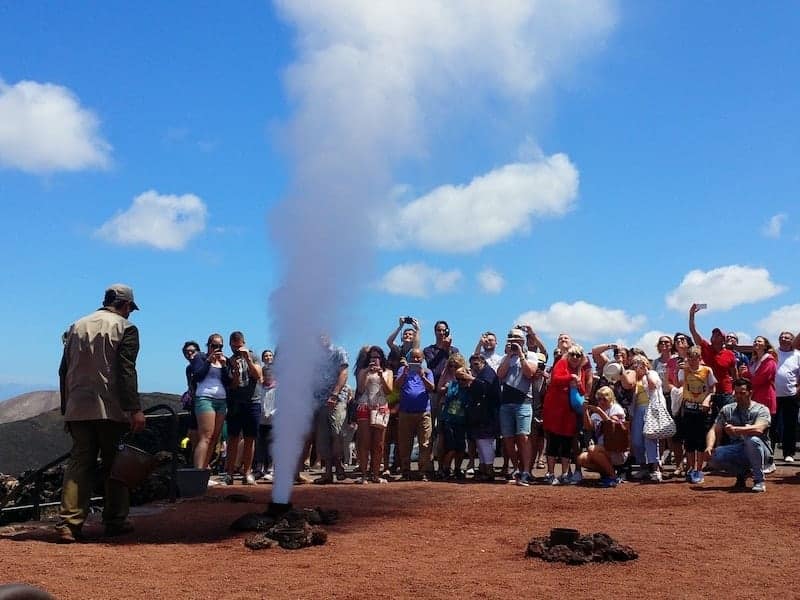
<point x="658" y="423"/>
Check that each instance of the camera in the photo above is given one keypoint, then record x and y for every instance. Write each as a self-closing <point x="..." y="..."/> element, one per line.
<point x="215" y="347"/>
<point x="408" y="320"/>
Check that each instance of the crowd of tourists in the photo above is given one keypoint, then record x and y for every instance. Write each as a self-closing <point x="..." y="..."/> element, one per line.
<point x="700" y="404"/>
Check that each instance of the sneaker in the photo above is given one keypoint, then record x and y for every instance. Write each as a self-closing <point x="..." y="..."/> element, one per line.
<point x="361" y="481"/>
<point x="470" y="471"/>
<point x="426" y="477"/>
<point x="689" y="476"/>
<point x="564" y="479"/>
<point x="576" y="478"/>
<point x="656" y="477"/>
<point x="213" y="483"/>
<point x="697" y="477"/>
<point x="249" y="479"/>
<point x="759" y="487"/>
<point x="608" y="482"/>
<point x="740" y="483"/>
<point x="301" y="479"/>
<point x="508" y="476"/>
<point x="638" y="475"/>
<point x="525" y="480"/>
<point x="228" y="480"/>
<point x="550" y="479"/>
<point x="459" y="475"/>
<point x="267" y="477"/>
<point x="769" y="468"/>
<point x="789" y="459"/>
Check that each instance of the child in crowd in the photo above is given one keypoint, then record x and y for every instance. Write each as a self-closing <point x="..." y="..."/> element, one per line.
<point x="698" y="383"/>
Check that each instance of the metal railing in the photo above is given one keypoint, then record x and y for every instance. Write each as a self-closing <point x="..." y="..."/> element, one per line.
<point x="36" y="477"/>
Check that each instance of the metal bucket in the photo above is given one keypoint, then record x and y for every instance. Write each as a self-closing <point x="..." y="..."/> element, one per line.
<point x="132" y="465"/>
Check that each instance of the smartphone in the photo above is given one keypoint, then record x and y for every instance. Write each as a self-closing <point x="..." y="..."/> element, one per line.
<point x="702" y="306"/>
<point x="415" y="366"/>
<point x="408" y="320"/>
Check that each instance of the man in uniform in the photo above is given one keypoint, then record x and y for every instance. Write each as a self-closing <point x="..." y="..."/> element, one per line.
<point x="100" y="403"/>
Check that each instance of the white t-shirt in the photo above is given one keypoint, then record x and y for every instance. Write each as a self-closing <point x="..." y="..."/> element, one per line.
<point x="788" y="373"/>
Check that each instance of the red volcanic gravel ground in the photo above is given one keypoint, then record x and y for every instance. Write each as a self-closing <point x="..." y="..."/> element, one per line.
<point x="432" y="540"/>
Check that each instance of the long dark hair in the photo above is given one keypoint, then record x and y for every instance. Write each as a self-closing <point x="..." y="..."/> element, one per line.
<point x="378" y="350"/>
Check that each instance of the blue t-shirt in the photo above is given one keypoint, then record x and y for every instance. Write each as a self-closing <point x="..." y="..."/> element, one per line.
<point x="455" y="404"/>
<point x="413" y="395"/>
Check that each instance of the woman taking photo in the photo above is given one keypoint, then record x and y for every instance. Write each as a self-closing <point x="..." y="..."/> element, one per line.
<point x="375" y="381"/>
<point x="599" y="419"/>
<point x="644" y="382"/>
<point x="211" y="376"/>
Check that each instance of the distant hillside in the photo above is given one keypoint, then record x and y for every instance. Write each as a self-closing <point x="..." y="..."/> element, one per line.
<point x="33" y="442"/>
<point x="26" y="406"/>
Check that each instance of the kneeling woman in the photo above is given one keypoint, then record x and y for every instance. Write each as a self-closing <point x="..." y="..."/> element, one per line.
<point x="598" y="419"/>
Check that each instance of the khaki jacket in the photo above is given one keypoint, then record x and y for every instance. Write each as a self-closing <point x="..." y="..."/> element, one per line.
<point x="98" y="369"/>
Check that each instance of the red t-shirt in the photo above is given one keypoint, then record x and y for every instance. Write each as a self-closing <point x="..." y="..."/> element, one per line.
<point x="721" y="364"/>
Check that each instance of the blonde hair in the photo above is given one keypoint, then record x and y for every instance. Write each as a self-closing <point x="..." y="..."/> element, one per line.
<point x="575" y="349"/>
<point x="694" y="352"/>
<point x="458" y="360"/>
<point x="640" y="360"/>
<point x="607" y="393"/>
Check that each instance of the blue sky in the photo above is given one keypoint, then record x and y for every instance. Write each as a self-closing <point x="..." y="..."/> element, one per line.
<point x="593" y="167"/>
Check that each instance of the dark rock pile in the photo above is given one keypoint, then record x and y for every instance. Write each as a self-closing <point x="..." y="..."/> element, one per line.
<point x="292" y="530"/>
<point x="578" y="550"/>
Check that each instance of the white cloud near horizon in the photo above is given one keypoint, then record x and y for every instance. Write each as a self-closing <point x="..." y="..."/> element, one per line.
<point x="785" y="318"/>
<point x="44" y="128"/>
<point x="723" y="288"/>
<point x="164" y="222"/>
<point x="582" y="321"/>
<point x="774" y="226"/>
<point x="419" y="280"/>
<point x="648" y="341"/>
<point x="490" y="281"/>
<point x="487" y="210"/>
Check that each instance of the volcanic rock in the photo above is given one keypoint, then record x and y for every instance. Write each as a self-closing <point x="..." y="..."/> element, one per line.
<point x="596" y="547"/>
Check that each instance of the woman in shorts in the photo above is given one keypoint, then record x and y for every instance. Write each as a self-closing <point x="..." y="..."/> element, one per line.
<point x="212" y="376"/>
<point x="558" y="418"/>
<point x="375" y="380"/>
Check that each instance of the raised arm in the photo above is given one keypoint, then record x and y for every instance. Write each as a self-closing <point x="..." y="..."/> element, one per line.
<point x="698" y="339"/>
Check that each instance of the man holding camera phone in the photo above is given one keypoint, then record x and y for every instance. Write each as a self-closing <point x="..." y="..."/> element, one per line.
<point x="410" y="337"/>
<point x="436" y="356"/>
<point x="244" y="408"/>
<point x="415" y="383"/>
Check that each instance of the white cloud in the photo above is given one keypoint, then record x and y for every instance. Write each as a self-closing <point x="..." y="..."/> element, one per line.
<point x="491" y="281"/>
<point x="165" y="222"/>
<point x="772" y="228"/>
<point x="723" y="288"/>
<point x="744" y="338"/>
<point x="487" y="210"/>
<point x="43" y="128"/>
<point x="785" y="318"/>
<point x="418" y="280"/>
<point x="583" y="321"/>
<point x="648" y="341"/>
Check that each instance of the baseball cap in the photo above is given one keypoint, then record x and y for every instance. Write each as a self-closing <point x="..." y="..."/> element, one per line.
<point x="718" y="330"/>
<point x="119" y="291"/>
<point x="516" y="334"/>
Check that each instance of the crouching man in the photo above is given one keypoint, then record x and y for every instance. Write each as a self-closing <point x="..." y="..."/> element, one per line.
<point x="746" y="423"/>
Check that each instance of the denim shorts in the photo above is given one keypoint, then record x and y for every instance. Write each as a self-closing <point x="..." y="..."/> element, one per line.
<point x="204" y="404"/>
<point x="515" y="419"/>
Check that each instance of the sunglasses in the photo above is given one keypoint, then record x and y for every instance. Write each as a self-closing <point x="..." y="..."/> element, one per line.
<point x="664" y="341"/>
<point x="575" y="355"/>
